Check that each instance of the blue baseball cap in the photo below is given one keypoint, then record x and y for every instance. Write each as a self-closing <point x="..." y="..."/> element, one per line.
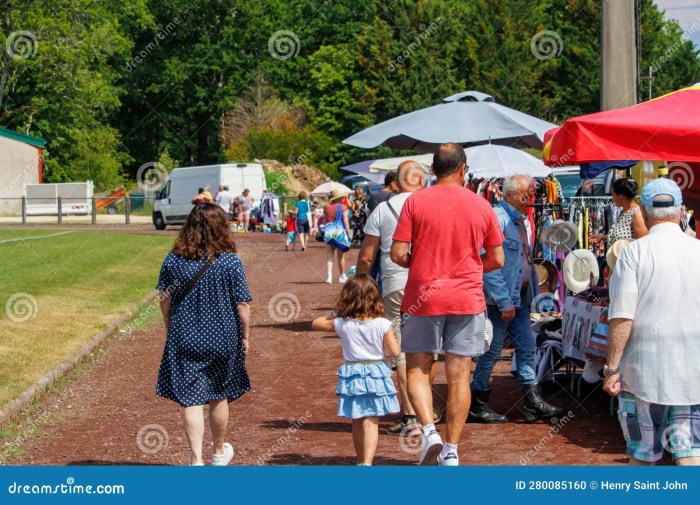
<point x="661" y="187"/>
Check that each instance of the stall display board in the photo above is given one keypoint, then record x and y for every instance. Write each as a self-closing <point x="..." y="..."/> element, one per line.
<point x="579" y="321"/>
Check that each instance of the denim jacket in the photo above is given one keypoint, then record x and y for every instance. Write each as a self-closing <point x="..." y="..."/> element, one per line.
<point x="502" y="286"/>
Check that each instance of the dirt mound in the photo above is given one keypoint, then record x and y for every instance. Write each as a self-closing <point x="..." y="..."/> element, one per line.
<point x="299" y="177"/>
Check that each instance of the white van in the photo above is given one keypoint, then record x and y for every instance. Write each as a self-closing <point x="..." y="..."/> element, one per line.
<point x="174" y="199"/>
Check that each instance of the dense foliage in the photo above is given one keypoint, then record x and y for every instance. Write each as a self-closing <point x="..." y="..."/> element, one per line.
<point x="113" y="85"/>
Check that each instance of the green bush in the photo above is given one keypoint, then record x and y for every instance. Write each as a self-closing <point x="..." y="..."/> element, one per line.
<point x="276" y="182"/>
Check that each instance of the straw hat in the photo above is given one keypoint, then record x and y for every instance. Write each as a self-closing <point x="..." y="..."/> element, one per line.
<point x="560" y="236"/>
<point x="577" y="270"/>
<point x="338" y="193"/>
<point x="614" y="252"/>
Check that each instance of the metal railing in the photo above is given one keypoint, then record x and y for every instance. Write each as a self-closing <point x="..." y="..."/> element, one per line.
<point x="26" y="207"/>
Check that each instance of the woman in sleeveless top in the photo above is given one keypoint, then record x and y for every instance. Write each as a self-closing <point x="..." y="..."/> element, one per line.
<point x="630" y="225"/>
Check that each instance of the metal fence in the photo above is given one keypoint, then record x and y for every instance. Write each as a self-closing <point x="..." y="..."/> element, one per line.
<point x="94" y="210"/>
<point x="24" y="208"/>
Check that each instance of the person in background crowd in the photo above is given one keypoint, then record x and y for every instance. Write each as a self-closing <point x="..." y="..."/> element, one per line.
<point x="390" y="189"/>
<point x="291" y="222"/>
<point x="630" y="225"/>
<point x="208" y="328"/>
<point x="358" y="216"/>
<point x="365" y="391"/>
<point x="203" y="196"/>
<point x="316" y="216"/>
<point x="224" y="199"/>
<point x="303" y="217"/>
<point x="509" y="293"/>
<point x="439" y="238"/>
<point x="245" y="205"/>
<point x="329" y="212"/>
<point x="654" y="339"/>
<point x="379" y="233"/>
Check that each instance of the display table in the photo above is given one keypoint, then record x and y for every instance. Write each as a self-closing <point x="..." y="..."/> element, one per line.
<point x="580" y="319"/>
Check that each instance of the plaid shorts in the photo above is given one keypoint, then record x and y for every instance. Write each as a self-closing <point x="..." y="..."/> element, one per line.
<point x="649" y="428"/>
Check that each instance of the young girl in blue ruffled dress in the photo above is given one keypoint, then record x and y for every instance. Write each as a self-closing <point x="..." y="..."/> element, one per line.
<point x="365" y="389"/>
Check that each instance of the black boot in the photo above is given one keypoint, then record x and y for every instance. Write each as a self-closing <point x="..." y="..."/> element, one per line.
<point x="535" y="406"/>
<point x="480" y="412"/>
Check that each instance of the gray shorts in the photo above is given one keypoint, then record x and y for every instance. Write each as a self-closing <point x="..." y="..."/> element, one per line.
<point x="463" y="335"/>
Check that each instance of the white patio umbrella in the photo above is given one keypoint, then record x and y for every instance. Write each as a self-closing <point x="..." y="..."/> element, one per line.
<point x="491" y="160"/>
<point x="484" y="162"/>
<point x="469" y="118"/>
<point x="327" y="188"/>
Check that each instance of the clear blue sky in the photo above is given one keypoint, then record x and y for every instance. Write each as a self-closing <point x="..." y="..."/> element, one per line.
<point x="687" y="13"/>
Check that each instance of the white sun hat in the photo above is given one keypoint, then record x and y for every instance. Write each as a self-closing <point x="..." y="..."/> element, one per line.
<point x="579" y="265"/>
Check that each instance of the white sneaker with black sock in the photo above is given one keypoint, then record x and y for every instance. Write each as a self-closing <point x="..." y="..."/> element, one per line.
<point x="448" y="456"/>
<point x="432" y="445"/>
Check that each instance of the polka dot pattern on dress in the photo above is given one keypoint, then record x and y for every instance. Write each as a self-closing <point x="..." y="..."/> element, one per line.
<point x="204" y="358"/>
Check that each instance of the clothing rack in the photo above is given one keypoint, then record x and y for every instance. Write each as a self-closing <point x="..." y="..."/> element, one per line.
<point x="546" y="205"/>
<point x="605" y="198"/>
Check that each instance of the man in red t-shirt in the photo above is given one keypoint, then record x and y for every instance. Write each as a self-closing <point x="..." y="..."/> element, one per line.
<point x="440" y="237"/>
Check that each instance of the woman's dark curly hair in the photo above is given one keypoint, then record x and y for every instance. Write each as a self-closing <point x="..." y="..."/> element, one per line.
<point x="359" y="299"/>
<point x="205" y="233"/>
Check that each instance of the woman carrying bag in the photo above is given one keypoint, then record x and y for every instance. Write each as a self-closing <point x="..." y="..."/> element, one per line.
<point x="336" y="234"/>
<point x="204" y="298"/>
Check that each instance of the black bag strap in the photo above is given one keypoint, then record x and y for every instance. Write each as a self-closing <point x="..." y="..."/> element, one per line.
<point x="188" y="287"/>
<point x="393" y="211"/>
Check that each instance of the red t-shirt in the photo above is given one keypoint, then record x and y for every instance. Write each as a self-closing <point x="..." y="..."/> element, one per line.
<point x="291" y="224"/>
<point x="447" y="227"/>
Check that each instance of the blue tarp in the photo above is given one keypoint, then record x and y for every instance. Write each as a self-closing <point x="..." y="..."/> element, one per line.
<point x="590" y="170"/>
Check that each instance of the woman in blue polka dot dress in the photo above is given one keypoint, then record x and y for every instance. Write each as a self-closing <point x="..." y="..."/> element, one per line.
<point x="208" y="333"/>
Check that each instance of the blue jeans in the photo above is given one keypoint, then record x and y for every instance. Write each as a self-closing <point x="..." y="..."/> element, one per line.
<point x="523" y="341"/>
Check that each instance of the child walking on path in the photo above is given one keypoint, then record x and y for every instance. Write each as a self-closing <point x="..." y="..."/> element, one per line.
<point x="291" y="222"/>
<point x="365" y="389"/>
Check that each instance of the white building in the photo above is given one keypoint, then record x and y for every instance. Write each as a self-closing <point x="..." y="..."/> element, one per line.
<point x="21" y="162"/>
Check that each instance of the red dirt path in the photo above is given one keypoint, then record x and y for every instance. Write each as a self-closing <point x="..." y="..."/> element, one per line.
<point x="289" y="417"/>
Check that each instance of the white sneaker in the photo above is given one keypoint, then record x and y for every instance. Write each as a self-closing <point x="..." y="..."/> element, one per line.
<point x="343" y="278"/>
<point x="222" y="459"/>
<point x="451" y="459"/>
<point x="432" y="447"/>
<point x="329" y="279"/>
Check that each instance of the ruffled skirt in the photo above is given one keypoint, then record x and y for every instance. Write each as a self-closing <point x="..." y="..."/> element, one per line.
<point x="366" y="390"/>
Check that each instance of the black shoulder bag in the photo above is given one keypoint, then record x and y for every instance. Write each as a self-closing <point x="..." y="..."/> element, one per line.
<point x="188" y="287"/>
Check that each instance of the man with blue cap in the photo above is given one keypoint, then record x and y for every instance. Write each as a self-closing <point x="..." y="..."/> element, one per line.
<point x="654" y="338"/>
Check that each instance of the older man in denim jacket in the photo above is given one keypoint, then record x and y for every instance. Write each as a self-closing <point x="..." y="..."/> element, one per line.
<point x="509" y="293"/>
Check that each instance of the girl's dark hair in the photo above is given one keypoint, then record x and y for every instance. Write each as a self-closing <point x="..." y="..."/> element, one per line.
<point x="205" y="233"/>
<point x="625" y="187"/>
<point x="359" y="299"/>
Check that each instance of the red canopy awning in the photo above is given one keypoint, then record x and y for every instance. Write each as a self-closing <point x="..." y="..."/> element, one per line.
<point x="665" y="128"/>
